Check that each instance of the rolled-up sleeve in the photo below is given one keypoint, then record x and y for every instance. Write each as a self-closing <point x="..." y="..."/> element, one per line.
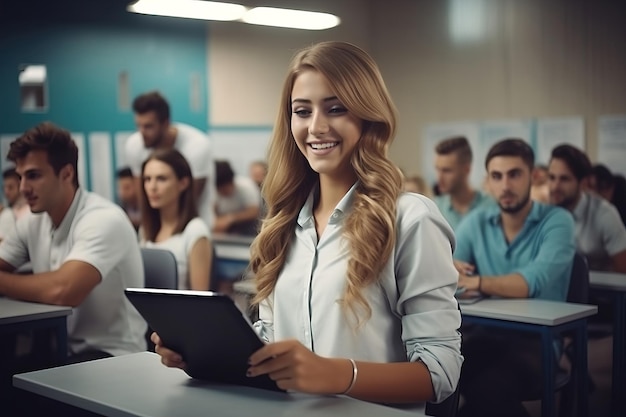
<point x="264" y="327"/>
<point x="426" y="281"/>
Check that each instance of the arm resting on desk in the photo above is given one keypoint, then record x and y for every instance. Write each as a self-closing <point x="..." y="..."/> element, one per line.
<point x="68" y="285"/>
<point x="509" y="286"/>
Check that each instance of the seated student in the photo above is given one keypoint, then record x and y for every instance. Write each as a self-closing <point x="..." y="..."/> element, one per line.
<point x="517" y="249"/>
<point x="128" y="195"/>
<point x="238" y="202"/>
<point x="600" y="233"/>
<point x="82" y="247"/>
<point x="16" y="204"/>
<point x="170" y="218"/>
<point x="416" y="184"/>
<point x="610" y="187"/>
<point x="453" y="163"/>
<point x="355" y="278"/>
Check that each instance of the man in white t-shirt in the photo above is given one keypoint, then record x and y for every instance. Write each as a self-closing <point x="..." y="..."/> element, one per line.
<point x="82" y="247"/>
<point x="155" y="131"/>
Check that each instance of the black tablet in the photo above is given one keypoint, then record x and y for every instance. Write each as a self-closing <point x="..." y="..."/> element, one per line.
<point x="213" y="336"/>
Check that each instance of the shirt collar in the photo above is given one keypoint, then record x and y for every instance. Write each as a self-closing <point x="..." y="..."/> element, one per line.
<point x="65" y="224"/>
<point x="341" y="210"/>
<point x="534" y="215"/>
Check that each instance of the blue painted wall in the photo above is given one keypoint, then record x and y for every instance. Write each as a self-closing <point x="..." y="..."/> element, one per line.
<point x="84" y="62"/>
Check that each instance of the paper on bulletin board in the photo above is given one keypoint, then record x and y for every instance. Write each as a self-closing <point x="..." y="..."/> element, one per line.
<point x="79" y="139"/>
<point x="435" y="133"/>
<point x="553" y="131"/>
<point x="101" y="164"/>
<point x="120" y="148"/>
<point x="612" y="142"/>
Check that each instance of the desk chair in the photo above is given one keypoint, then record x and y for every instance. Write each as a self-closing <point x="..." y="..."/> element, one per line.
<point x="578" y="292"/>
<point x="160" y="269"/>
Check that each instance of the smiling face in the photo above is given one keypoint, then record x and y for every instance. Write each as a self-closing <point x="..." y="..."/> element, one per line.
<point x="161" y="185"/>
<point x="324" y="130"/>
<point x="509" y="179"/>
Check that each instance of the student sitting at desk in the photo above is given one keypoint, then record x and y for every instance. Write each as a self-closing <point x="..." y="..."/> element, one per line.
<point x="600" y="233"/>
<point x="355" y="278"/>
<point x="170" y="218"/>
<point x="518" y="249"/>
<point x="82" y="248"/>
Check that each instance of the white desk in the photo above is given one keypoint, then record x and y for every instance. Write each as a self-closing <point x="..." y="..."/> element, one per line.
<point x="614" y="285"/>
<point x="549" y="319"/>
<point x="19" y="316"/>
<point x="139" y="385"/>
<point x="233" y="247"/>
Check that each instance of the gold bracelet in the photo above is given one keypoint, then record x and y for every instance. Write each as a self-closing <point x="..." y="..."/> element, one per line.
<point x="355" y="372"/>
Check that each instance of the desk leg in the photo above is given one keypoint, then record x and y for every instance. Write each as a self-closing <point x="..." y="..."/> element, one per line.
<point x="581" y="372"/>
<point x="61" y="336"/>
<point x="549" y="366"/>
<point x="618" y="385"/>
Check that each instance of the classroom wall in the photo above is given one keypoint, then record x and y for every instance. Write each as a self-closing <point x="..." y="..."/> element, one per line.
<point x="84" y="61"/>
<point x="529" y="58"/>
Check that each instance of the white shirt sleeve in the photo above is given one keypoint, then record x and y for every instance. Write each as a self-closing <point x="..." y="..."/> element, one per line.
<point x="14" y="246"/>
<point x="195" y="230"/>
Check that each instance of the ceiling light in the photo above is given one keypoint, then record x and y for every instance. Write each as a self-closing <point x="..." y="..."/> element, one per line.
<point x="287" y="18"/>
<point x="191" y="9"/>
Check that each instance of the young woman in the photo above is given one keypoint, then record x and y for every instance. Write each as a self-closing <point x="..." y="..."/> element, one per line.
<point x="170" y="218"/>
<point x="355" y="279"/>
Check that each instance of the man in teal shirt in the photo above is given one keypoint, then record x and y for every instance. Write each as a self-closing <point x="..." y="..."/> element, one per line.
<point x="518" y="249"/>
<point x="453" y="163"/>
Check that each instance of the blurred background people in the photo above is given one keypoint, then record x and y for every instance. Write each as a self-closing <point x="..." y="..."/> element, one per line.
<point x="539" y="190"/>
<point x="156" y="131"/>
<point x="610" y="187"/>
<point x="416" y="184"/>
<point x="453" y="163"/>
<point x="16" y="205"/>
<point x="238" y="203"/>
<point x="127" y="195"/>
<point x="170" y="218"/>
<point x="600" y="233"/>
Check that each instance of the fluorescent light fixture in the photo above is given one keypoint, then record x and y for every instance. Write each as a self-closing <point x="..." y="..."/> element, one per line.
<point x="191" y="9"/>
<point x="288" y="18"/>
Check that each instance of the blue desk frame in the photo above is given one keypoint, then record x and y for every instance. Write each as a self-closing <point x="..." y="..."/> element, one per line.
<point x="618" y="384"/>
<point x="548" y="336"/>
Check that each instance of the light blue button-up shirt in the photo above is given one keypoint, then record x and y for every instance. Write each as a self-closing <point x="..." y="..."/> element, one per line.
<point x="444" y="202"/>
<point x="414" y="313"/>
<point x="542" y="252"/>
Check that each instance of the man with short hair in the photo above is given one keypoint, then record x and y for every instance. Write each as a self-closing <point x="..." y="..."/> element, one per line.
<point x="156" y="131"/>
<point x="127" y="195"/>
<point x="453" y="163"/>
<point x="600" y="233"/>
<point x="517" y="249"/>
<point x="82" y="248"/>
<point x="16" y="205"/>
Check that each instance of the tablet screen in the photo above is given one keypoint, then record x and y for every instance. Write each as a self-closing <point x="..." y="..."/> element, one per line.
<point x="213" y="336"/>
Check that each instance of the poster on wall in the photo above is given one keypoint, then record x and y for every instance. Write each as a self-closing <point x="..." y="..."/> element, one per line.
<point x="79" y="139"/>
<point x="100" y="167"/>
<point x="435" y="133"/>
<point x="555" y="131"/>
<point x="120" y="148"/>
<point x="240" y="147"/>
<point x="612" y="142"/>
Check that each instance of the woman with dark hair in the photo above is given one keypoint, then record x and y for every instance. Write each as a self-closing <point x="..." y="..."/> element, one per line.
<point x="170" y="217"/>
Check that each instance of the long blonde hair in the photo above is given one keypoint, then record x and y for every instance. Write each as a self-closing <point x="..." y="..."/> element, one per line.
<point x="370" y="229"/>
